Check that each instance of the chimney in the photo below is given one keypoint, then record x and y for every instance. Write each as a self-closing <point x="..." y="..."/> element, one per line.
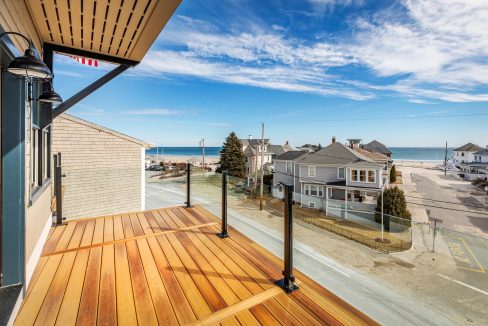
<point x="333" y="140"/>
<point x="286" y="142"/>
<point x="250" y="136"/>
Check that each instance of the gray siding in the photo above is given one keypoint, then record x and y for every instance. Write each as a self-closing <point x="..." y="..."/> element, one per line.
<point x="322" y="173"/>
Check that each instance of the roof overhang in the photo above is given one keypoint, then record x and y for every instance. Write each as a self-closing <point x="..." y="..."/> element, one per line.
<point x="118" y="29"/>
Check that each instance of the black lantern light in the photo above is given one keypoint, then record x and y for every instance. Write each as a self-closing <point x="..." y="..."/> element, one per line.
<point x="28" y="65"/>
<point x="50" y="96"/>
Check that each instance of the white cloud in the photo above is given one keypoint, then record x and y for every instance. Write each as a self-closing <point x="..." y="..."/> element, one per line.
<point x="435" y="49"/>
<point x="163" y="112"/>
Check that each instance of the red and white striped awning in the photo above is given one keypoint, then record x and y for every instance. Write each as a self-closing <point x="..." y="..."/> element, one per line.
<point x="85" y="61"/>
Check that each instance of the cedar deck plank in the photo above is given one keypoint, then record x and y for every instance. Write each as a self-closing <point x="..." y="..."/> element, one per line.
<point x="126" y="312"/>
<point x="52" y="302"/>
<point x="142" y="297"/>
<point x="122" y="269"/>
<point x="35" y="297"/>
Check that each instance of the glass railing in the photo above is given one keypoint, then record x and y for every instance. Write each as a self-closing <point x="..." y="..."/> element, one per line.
<point x="397" y="272"/>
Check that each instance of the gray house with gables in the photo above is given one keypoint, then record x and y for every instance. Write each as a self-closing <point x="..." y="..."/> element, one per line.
<point x="335" y="172"/>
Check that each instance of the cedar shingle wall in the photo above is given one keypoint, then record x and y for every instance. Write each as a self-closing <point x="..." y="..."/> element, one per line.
<point x="103" y="171"/>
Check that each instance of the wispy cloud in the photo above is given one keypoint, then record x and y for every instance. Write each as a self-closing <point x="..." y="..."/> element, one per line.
<point x="155" y="112"/>
<point x="429" y="49"/>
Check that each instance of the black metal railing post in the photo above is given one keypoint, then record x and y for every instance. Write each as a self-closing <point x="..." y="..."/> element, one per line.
<point x="58" y="186"/>
<point x="287" y="283"/>
<point x="188" y="179"/>
<point x="224" y="233"/>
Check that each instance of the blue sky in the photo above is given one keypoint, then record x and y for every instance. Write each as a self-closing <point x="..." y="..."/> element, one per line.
<point x="407" y="73"/>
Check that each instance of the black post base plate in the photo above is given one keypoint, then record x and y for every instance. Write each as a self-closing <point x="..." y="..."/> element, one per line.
<point x="222" y="235"/>
<point x="288" y="288"/>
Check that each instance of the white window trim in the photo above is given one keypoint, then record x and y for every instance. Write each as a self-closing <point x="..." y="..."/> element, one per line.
<point x="290" y="164"/>
<point x="312" y="168"/>
<point x="308" y="188"/>
<point x="358" y="176"/>
<point x="338" y="174"/>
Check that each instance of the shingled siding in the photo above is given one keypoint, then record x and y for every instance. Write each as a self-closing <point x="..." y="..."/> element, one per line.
<point x="103" y="171"/>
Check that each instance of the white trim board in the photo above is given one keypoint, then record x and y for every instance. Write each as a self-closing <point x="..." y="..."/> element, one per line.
<point x="36" y="253"/>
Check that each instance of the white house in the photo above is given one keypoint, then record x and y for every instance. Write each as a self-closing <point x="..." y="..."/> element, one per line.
<point x="465" y="154"/>
<point x="253" y="149"/>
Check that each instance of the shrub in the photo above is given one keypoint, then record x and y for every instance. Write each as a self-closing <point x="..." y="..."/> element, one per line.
<point x="393" y="174"/>
<point x="394" y="204"/>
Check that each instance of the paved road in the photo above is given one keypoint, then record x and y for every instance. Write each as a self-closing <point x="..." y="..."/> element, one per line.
<point x="378" y="301"/>
<point x="470" y="252"/>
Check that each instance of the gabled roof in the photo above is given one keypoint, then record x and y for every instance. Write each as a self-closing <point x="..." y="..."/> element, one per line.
<point x="334" y="154"/>
<point x="483" y="152"/>
<point x="290" y="155"/>
<point x="469" y="147"/>
<point x="376" y="146"/>
<point x="104" y="129"/>
<point x="280" y="149"/>
<point x="253" y="142"/>
<point x="374" y="156"/>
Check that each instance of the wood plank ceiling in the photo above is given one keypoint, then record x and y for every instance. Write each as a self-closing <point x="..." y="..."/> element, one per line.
<point x="120" y="28"/>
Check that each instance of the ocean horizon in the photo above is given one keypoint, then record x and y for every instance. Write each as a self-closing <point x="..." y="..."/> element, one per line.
<point x="399" y="153"/>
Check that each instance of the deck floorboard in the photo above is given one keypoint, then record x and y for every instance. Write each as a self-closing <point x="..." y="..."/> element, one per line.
<point x="167" y="267"/>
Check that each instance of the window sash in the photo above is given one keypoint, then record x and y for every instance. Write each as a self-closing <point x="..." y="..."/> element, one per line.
<point x="362" y="175"/>
<point x="311" y="171"/>
<point x="341" y="173"/>
<point x="371" y="176"/>
<point x="354" y="175"/>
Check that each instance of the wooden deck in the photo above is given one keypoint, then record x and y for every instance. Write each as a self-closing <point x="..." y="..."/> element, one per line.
<point x="168" y="267"/>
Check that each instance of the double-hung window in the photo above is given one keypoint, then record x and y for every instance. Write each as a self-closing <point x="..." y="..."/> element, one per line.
<point x="354" y="175"/>
<point x="289" y="166"/>
<point x="371" y="176"/>
<point x="341" y="173"/>
<point x="362" y="175"/>
<point x="311" y="171"/>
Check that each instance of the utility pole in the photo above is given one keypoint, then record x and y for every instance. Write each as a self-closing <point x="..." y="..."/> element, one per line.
<point x="202" y="145"/>
<point x="262" y="168"/>
<point x="445" y="161"/>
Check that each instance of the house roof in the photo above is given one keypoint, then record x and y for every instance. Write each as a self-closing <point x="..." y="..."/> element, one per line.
<point x="374" y="156"/>
<point x="290" y="155"/>
<point x="253" y="142"/>
<point x="280" y="149"/>
<point x="483" y="152"/>
<point x="122" y="29"/>
<point x="104" y="129"/>
<point x="469" y="147"/>
<point x="334" y="154"/>
<point x="376" y="146"/>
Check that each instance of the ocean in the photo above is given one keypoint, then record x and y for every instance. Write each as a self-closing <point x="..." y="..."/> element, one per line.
<point x="399" y="153"/>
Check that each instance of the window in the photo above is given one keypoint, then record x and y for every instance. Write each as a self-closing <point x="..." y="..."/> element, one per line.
<point x="280" y="188"/>
<point x="314" y="190"/>
<point x="341" y="173"/>
<point x="354" y="175"/>
<point x="46" y="150"/>
<point x="362" y="175"/>
<point x="311" y="171"/>
<point x="35" y="161"/>
<point x="462" y="154"/>
<point x="311" y="204"/>
<point x="289" y="166"/>
<point x="371" y="176"/>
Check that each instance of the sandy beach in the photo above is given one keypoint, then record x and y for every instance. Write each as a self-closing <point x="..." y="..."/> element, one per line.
<point x="210" y="161"/>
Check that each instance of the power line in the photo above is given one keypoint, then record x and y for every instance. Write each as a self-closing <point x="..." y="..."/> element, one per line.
<point x="451" y="209"/>
<point x="370" y="189"/>
<point x="383" y="118"/>
<point x="447" y="202"/>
